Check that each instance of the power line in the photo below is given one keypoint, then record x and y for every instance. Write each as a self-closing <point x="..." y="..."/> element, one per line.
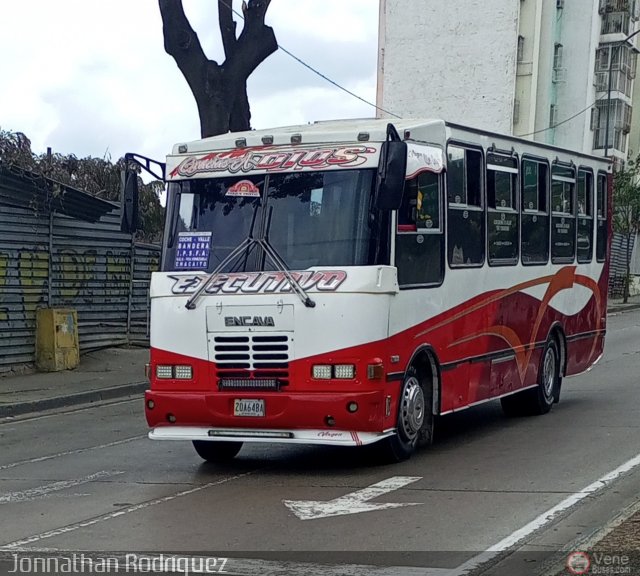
<point x="317" y="72"/>
<point x="564" y="121"/>
<point x="335" y="83"/>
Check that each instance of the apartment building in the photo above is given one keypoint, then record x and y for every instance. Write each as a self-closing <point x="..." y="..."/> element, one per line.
<point x="542" y="69"/>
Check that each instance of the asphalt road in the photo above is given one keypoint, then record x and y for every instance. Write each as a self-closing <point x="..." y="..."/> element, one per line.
<point x="88" y="479"/>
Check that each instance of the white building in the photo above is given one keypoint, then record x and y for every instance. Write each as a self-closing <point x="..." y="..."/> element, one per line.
<point x="514" y="66"/>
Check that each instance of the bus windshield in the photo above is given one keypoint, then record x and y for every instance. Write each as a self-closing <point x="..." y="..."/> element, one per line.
<point x="310" y="218"/>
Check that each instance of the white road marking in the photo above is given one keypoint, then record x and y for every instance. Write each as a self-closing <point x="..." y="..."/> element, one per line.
<point x="251" y="567"/>
<point x="41" y="491"/>
<point x="99" y="519"/>
<point x="55" y="412"/>
<point x="545" y="518"/>
<point x="353" y="503"/>
<point x="69" y="452"/>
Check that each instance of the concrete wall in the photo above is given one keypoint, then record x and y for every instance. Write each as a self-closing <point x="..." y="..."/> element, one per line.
<point x="527" y="69"/>
<point x="579" y="32"/>
<point x="454" y="60"/>
<point x="545" y="89"/>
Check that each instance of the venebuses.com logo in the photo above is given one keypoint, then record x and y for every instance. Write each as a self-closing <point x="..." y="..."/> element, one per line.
<point x="579" y="563"/>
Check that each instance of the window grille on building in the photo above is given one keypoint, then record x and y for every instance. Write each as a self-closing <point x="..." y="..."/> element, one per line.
<point x="616" y="23"/>
<point x="629" y="6"/>
<point x="520" y="48"/>
<point x="619" y="125"/>
<point x="557" y="56"/>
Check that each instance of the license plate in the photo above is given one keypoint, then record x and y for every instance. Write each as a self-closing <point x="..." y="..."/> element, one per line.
<point x="242" y="407"/>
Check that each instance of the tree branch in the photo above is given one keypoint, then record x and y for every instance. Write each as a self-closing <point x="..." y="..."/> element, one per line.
<point x="256" y="42"/>
<point x="227" y="26"/>
<point x="182" y="43"/>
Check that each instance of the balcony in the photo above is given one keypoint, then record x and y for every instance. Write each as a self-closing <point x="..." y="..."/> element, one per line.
<point x="616" y="23"/>
<point x="630" y="7"/>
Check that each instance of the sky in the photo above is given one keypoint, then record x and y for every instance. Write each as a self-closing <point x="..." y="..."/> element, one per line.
<point x="91" y="77"/>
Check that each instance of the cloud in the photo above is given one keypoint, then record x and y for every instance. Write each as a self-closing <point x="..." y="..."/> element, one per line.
<point x="309" y="104"/>
<point x="91" y="77"/>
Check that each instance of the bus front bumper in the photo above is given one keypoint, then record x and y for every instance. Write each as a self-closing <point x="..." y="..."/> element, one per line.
<point x="321" y="437"/>
<point x="335" y="418"/>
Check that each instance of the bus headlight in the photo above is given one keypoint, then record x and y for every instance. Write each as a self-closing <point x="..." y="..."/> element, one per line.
<point x="344" y="371"/>
<point x="183" y="372"/>
<point x="164" y="372"/>
<point x="321" y="371"/>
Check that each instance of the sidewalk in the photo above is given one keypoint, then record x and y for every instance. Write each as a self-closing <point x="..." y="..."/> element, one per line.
<point x="614" y="550"/>
<point x="616" y="305"/>
<point x="102" y="375"/>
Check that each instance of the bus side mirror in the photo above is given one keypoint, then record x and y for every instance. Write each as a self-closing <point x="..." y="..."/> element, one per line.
<point x="392" y="171"/>
<point x="129" y="200"/>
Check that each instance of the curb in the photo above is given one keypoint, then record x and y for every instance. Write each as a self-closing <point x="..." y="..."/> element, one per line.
<point x="88" y="397"/>
<point x="622" y="308"/>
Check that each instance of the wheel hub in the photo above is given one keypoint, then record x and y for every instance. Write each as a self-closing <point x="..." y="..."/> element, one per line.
<point x="412" y="409"/>
<point x="549" y="372"/>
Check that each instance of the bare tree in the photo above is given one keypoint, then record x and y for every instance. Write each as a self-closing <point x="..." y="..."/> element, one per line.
<point x="220" y="90"/>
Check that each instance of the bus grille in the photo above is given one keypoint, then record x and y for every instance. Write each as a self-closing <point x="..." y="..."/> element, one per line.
<point x="252" y="362"/>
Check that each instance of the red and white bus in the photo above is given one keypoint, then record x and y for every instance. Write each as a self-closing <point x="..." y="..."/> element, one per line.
<point x="343" y="283"/>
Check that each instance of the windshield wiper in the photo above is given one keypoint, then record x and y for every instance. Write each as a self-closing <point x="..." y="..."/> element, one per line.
<point x="271" y="253"/>
<point x="234" y="255"/>
<point x="281" y="265"/>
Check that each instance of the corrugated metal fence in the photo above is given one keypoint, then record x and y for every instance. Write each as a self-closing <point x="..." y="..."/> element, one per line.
<point x="618" y="268"/>
<point x="51" y="259"/>
<point x="619" y="254"/>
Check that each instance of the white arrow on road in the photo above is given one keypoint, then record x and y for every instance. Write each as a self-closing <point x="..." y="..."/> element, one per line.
<point x="353" y="503"/>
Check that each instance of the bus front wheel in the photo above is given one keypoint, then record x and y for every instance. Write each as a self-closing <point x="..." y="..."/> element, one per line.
<point x="216" y="452"/>
<point x="415" y="419"/>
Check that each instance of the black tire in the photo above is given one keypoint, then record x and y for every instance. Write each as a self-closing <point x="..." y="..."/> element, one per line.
<point x="415" y="420"/>
<point x="538" y="400"/>
<point x="216" y="452"/>
<point x="556" y="395"/>
<point x="514" y="405"/>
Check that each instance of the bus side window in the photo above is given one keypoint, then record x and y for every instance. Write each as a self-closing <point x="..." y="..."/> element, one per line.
<point x="420" y="242"/>
<point x="584" y="245"/>
<point x="465" y="214"/>
<point x="563" y="220"/>
<point x="535" y="212"/>
<point x="601" y="231"/>
<point x="502" y="209"/>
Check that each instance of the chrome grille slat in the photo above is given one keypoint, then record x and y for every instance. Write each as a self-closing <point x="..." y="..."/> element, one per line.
<point x="252" y="362"/>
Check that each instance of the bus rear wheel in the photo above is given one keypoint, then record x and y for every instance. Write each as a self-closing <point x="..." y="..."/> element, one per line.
<point x="216" y="452"/>
<point x="538" y="400"/>
<point x="415" y="419"/>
